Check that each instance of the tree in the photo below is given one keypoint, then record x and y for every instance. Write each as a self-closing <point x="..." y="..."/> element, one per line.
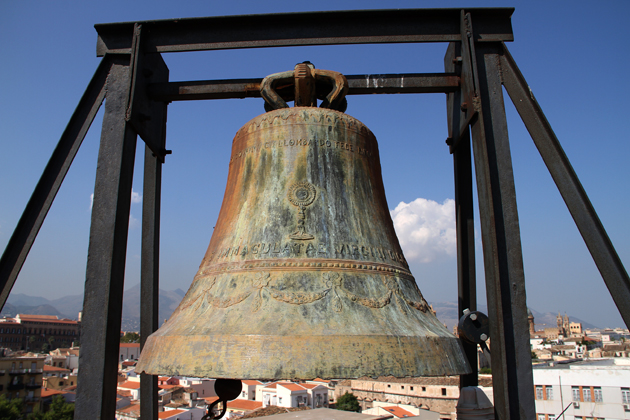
<point x="130" y="337"/>
<point x="59" y="410"/>
<point x="10" y="409"/>
<point x="348" y="402"/>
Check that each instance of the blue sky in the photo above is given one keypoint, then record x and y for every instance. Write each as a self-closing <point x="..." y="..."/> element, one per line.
<point x="574" y="58"/>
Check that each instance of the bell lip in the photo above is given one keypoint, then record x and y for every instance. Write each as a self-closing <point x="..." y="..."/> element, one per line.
<point x="361" y="356"/>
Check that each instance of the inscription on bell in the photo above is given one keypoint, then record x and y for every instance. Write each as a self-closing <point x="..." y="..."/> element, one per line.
<point x="289" y="142"/>
<point x="310" y="249"/>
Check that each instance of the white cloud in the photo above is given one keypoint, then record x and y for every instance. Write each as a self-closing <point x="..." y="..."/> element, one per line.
<point x="136" y="197"/>
<point x="426" y="229"/>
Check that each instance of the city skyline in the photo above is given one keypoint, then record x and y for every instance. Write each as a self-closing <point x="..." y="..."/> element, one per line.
<point x="576" y="75"/>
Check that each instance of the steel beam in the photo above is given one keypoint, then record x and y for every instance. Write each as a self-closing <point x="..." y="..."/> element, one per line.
<point x="503" y="261"/>
<point x="151" y="198"/>
<point x="359" y="84"/>
<point x="601" y="248"/>
<point x="305" y="28"/>
<point x="102" y="305"/>
<point x="146" y="115"/>
<point x="150" y="273"/>
<point x="464" y="211"/>
<point x="46" y="189"/>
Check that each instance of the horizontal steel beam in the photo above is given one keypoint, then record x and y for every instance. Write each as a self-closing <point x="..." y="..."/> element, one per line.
<point x="358" y="85"/>
<point x="306" y="28"/>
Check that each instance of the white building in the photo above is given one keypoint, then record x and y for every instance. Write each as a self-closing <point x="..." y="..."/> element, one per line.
<point x="129" y="351"/>
<point x="288" y="394"/>
<point x="248" y="392"/>
<point x="204" y="387"/>
<point x="589" y="390"/>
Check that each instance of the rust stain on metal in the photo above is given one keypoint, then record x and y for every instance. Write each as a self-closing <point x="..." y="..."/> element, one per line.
<point x="304" y="276"/>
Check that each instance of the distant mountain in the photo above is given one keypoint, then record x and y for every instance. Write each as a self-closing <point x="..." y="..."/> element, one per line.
<point x="448" y="314"/>
<point x="70" y="306"/>
<point x="20" y="299"/>
<point x="46" y="309"/>
<point x="168" y="302"/>
<point x="548" y="320"/>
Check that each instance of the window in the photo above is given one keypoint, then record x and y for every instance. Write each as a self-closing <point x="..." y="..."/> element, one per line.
<point x="389" y="386"/>
<point x="549" y="390"/>
<point x="551" y="417"/>
<point x="411" y="388"/>
<point x="625" y="395"/>
<point x="402" y="387"/>
<point x="586" y="392"/>
<point x="443" y="391"/>
<point x="575" y="391"/>
<point x="597" y="394"/>
<point x="541" y="417"/>
<point x="539" y="392"/>
<point x="279" y="400"/>
<point x="424" y="388"/>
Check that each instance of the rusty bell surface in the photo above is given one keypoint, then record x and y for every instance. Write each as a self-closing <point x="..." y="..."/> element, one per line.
<point x="304" y="276"/>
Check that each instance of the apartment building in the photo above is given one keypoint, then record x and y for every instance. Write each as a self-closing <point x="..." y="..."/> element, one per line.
<point x="588" y="390"/>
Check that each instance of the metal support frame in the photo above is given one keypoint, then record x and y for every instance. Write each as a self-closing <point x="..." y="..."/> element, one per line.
<point x="133" y="79"/>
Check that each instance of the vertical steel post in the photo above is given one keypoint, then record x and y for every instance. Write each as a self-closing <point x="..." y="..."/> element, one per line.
<point x="149" y="278"/>
<point x="503" y="261"/>
<point x="464" y="213"/>
<point x="102" y="306"/>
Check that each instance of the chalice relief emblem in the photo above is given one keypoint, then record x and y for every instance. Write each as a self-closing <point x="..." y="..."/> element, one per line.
<point x="301" y="195"/>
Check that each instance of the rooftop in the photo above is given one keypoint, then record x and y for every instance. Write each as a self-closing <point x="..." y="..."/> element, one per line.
<point x="240" y="404"/>
<point x="129" y="385"/>
<point x="170" y="413"/>
<point x="48" y="368"/>
<point x="398" y="411"/>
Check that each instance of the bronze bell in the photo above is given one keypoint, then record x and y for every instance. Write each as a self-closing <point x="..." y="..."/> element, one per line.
<point x="304" y="276"/>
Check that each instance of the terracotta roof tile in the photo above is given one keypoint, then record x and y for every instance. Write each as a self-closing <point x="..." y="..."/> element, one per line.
<point x="240" y="404"/>
<point x="292" y="387"/>
<point x="131" y="408"/>
<point x="48" y="368"/>
<point x="130" y="385"/>
<point x="170" y="413"/>
<point x="251" y="382"/>
<point x="48" y="392"/>
<point x="398" y="412"/>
